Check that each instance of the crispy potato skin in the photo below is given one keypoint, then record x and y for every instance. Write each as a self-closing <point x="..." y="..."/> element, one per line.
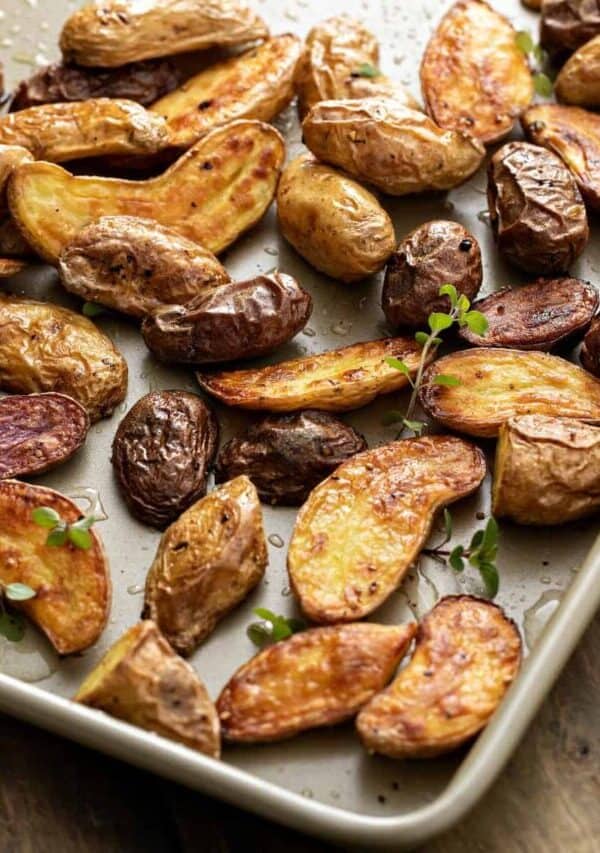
<point x="206" y="564"/>
<point x="362" y="529"/>
<point x="434" y="254"/>
<point x="12" y="243"/>
<point x="316" y="678"/>
<point x="142" y="681"/>
<point x="578" y="82"/>
<point x="11" y="266"/>
<point x="537" y="213"/>
<point x="547" y="470"/>
<point x="590" y="351"/>
<point x="286" y="456"/>
<point x="135" y="266"/>
<point x="110" y="33"/>
<point x="567" y="24"/>
<point x="44" y="347"/>
<point x="257" y="84"/>
<point x="335" y="381"/>
<point x="539" y="316"/>
<point x="466" y="656"/>
<point x="498" y="384"/>
<point x="398" y="150"/>
<point x="337" y="225"/>
<point x="473" y="76"/>
<point x="212" y="194"/>
<point x="161" y="454"/>
<point x="73" y="586"/>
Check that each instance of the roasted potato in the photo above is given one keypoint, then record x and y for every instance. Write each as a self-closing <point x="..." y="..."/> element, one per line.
<point x="44" y="347"/>
<point x="135" y="266"/>
<point x="72" y="585"/>
<point x="11" y="266"/>
<point x="211" y="195"/>
<point x="361" y="530"/>
<point x="466" y="656"/>
<point x="12" y="243"/>
<point x="11" y="157"/>
<point x="207" y="562"/>
<point x="538" y="316"/>
<point x="396" y="149"/>
<point x="498" y="384"/>
<point x="590" y="351"/>
<point x="474" y="77"/>
<point x="567" y="24"/>
<point x="161" y="454"/>
<point x="335" y="224"/>
<point x="537" y="213"/>
<point x="39" y="432"/>
<point x="142" y="681"/>
<point x="578" y="82"/>
<point x="286" y="456"/>
<point x="109" y="33"/>
<point x="316" y="678"/>
<point x="434" y="254"/>
<point x="334" y="381"/>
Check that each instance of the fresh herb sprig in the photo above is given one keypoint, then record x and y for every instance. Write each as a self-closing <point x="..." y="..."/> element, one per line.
<point x="272" y="628"/>
<point x="366" y="70"/>
<point x="61" y="532"/>
<point x="538" y="58"/>
<point x="12" y="623"/>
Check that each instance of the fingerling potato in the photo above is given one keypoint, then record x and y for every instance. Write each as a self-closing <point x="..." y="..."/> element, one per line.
<point x="11" y="157"/>
<point x="567" y="24"/>
<point x="578" y="82"/>
<point x="12" y="243"/>
<point x="590" y="351"/>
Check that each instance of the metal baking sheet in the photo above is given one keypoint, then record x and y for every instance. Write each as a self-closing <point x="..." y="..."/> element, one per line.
<point x="322" y="782"/>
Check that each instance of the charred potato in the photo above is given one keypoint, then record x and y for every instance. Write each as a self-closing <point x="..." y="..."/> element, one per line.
<point x="498" y="384"/>
<point x="316" y="678"/>
<point x="206" y="564"/>
<point x="474" y="76"/>
<point x="11" y="266"/>
<point x="590" y="351"/>
<point x="432" y="255"/>
<point x="142" y="681"/>
<point x="162" y="453"/>
<point x="72" y="585"/>
<point x="537" y="213"/>
<point x="362" y="529"/>
<point x="467" y="654"/>
<point x="335" y="224"/>
<point x="135" y="266"/>
<point x="44" y="347"/>
<point x="211" y="195"/>
<point x="567" y="24"/>
<point x="578" y="82"/>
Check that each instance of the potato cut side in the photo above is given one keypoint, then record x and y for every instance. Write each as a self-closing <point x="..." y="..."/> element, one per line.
<point x="142" y="681"/>
<point x="11" y="266"/>
<point x="361" y="529"/>
<point x="498" y="384"/>
<point x="467" y="654"/>
<point x="316" y="678"/>
<point x="73" y="589"/>
<point x="211" y="195"/>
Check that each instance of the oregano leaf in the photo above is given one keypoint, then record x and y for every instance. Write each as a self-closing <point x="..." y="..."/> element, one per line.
<point x="45" y="516"/>
<point x="446" y="379"/>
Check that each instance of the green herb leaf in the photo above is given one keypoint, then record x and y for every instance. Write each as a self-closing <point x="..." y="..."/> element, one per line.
<point x="416" y="426"/>
<point x="259" y="634"/>
<point x="477" y="322"/>
<point x="92" y="309"/>
<point x="446" y="379"/>
<point x="524" y="42"/>
<point x="19" y="592"/>
<point x="366" y="70"/>
<point x="398" y="365"/>
<point x="543" y="84"/>
<point x="490" y="536"/>
<point x="421" y="338"/>
<point x="455" y="558"/>
<point x="541" y="56"/>
<point x="83" y="523"/>
<point x="464" y="303"/>
<point x="57" y="537"/>
<point x="447" y="524"/>
<point x="80" y="538"/>
<point x="12" y="626"/>
<point x="45" y="516"/>
<point x="476" y="540"/>
<point x="490" y="577"/>
<point x="450" y="291"/>
<point x="438" y="322"/>
<point x="392" y="417"/>
<point x="274" y="628"/>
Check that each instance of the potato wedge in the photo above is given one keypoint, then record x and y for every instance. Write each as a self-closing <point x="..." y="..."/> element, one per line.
<point x="73" y="590"/>
<point x="108" y="33"/>
<point x="319" y="677"/>
<point x="396" y="149"/>
<point x="467" y="654"/>
<point x="334" y="381"/>
<point x="578" y="82"/>
<point x="11" y="266"/>
<point x="142" y="681"/>
<point x="567" y="24"/>
<point x="332" y="221"/>
<point x="590" y="350"/>
<point x="206" y="564"/>
<point x="360" y="530"/>
<point x="474" y="77"/>
<point x="44" y="347"/>
<point x="498" y="384"/>
<point x="257" y="84"/>
<point x="211" y="195"/>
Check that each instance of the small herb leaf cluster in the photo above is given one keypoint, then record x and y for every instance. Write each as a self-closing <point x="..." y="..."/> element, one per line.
<point x="61" y="532"/>
<point x="272" y="628"/>
<point x="538" y="57"/>
<point x="481" y="553"/>
<point x="12" y="623"/>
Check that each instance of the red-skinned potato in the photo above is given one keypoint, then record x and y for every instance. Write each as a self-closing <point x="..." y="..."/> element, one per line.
<point x="567" y="24"/>
<point x="590" y="351"/>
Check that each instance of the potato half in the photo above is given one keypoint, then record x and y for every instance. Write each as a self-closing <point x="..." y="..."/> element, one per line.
<point x="142" y="681"/>
<point x="361" y="529"/>
<point x="466" y="656"/>
<point x="578" y="82"/>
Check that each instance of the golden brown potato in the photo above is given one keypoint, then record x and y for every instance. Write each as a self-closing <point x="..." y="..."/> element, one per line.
<point x="547" y="470"/>
<point x="362" y="529"/>
<point x="473" y="75"/>
<point x="334" y="381"/>
<point x="108" y="33"/>
<point x="211" y="195"/>
<point x="567" y="24"/>
<point x="11" y="157"/>
<point x="72" y="585"/>
<point x="498" y="384"/>
<point x="397" y="149"/>
<point x="11" y="266"/>
<point x="335" y="224"/>
<point x="44" y="347"/>
<point x="12" y="243"/>
<point x="316" y="678"/>
<point x="467" y="654"/>
<point x="142" y="681"/>
<point x="257" y="84"/>
<point x="207" y="562"/>
<point x="578" y="82"/>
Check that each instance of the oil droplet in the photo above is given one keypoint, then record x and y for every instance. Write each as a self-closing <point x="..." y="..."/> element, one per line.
<point x="341" y="328"/>
<point x="92" y="497"/>
<point x="276" y="540"/>
<point x="271" y="250"/>
<point x="135" y="589"/>
<point x="286" y="591"/>
<point x="539" y="614"/>
<point x="307" y="792"/>
<point x="484" y="216"/>
<point x="545" y="580"/>
<point x="310" y="333"/>
<point x="32" y="659"/>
